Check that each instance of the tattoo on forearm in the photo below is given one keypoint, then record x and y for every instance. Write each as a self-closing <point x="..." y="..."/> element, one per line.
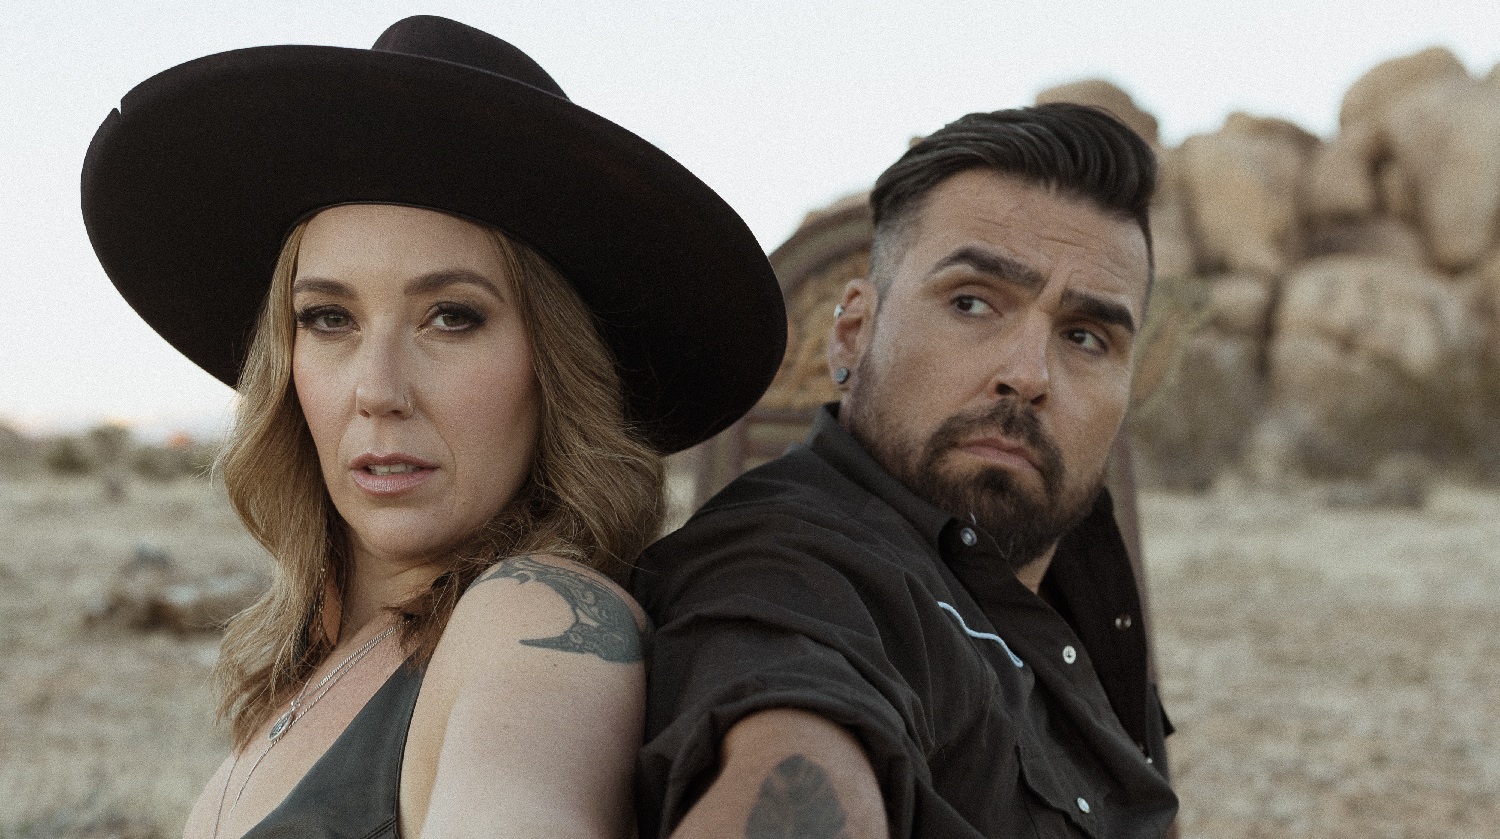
<point x="797" y="801"/>
<point x="602" y="622"/>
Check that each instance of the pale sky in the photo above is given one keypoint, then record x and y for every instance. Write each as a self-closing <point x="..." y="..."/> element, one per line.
<point x="780" y="106"/>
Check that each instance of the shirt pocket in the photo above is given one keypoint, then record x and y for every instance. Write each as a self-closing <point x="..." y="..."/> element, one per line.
<point x="1060" y="801"/>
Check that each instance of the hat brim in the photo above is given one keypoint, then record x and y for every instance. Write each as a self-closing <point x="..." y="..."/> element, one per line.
<point x="190" y="188"/>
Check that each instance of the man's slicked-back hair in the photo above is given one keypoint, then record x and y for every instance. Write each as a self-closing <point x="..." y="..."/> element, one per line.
<point x="1074" y="150"/>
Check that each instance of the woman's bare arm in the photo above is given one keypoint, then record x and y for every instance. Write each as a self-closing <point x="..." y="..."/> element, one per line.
<point x="788" y="772"/>
<point x="542" y="660"/>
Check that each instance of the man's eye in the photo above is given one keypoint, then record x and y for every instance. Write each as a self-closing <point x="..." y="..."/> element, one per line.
<point x="1087" y="340"/>
<point x="970" y="305"/>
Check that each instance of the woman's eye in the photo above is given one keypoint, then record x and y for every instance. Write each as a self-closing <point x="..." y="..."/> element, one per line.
<point x="455" y="318"/>
<point x="324" y="319"/>
<point x="970" y="305"/>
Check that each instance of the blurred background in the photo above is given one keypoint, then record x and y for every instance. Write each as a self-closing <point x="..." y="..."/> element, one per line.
<point x="1316" y="427"/>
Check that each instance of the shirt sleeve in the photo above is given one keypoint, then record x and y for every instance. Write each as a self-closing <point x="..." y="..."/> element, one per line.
<point x="771" y="611"/>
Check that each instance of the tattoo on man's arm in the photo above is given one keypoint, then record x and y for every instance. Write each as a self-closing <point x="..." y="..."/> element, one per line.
<point x="602" y="622"/>
<point x="797" y="801"/>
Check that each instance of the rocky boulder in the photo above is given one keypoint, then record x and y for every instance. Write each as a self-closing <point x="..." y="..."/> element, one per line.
<point x="150" y="592"/>
<point x="1364" y="356"/>
<point x="1445" y="140"/>
<point x="1103" y="94"/>
<point x="1339" y="181"/>
<point x="1387" y="82"/>
<point x="1171" y="227"/>
<point x="1241" y="184"/>
<point x="1379" y="236"/>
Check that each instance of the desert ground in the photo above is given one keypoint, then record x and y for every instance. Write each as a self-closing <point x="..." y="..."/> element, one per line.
<point x="1331" y="672"/>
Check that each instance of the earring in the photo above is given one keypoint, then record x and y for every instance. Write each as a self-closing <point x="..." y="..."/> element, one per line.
<point x="841" y="375"/>
<point x="838" y="311"/>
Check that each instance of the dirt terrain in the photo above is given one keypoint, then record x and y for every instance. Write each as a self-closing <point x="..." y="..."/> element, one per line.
<point x="1331" y="672"/>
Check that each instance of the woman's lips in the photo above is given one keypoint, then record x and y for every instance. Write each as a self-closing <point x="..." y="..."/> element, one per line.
<point x="390" y="474"/>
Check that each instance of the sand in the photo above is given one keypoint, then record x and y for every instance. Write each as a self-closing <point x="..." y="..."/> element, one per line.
<point x="1331" y="673"/>
<point x="104" y="732"/>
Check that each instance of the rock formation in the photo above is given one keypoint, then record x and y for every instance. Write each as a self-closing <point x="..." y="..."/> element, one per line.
<point x="1326" y="308"/>
<point x="1350" y="304"/>
<point x="1106" y="95"/>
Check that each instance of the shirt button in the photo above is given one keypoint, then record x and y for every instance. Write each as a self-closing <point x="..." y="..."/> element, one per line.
<point x="1070" y="655"/>
<point x="967" y="536"/>
<point x="1123" y="622"/>
<point x="1083" y="804"/>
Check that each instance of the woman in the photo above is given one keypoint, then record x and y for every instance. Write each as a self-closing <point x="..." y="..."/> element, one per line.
<point x="465" y="318"/>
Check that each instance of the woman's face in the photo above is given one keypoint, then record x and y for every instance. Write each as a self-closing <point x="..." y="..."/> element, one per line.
<point x="414" y="370"/>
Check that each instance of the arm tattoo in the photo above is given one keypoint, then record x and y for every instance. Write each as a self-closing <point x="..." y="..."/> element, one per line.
<point x="797" y="801"/>
<point x="602" y="622"/>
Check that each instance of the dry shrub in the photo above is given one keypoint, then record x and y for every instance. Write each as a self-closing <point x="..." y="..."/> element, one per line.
<point x="1199" y="385"/>
<point x="19" y="455"/>
<point x="169" y="462"/>
<point x="1478" y="412"/>
<point x="108" y="825"/>
<point x="67" y="456"/>
<point x="102" y="448"/>
<point x="108" y="451"/>
<point x="1428" y="418"/>
<point x="1197" y="424"/>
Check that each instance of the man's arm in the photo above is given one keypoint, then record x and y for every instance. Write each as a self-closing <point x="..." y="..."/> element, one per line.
<point x="789" y="773"/>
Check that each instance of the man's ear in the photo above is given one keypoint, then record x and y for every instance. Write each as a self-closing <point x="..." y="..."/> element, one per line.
<point x="853" y="324"/>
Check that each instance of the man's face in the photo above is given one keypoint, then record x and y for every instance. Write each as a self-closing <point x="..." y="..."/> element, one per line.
<point x="997" y="373"/>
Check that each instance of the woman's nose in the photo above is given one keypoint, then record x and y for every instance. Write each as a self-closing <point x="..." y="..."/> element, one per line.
<point x="382" y="387"/>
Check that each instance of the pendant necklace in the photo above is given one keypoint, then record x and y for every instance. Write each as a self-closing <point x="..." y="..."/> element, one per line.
<point x="294" y="713"/>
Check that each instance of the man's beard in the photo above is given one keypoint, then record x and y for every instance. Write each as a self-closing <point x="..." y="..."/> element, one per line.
<point x="1024" y="524"/>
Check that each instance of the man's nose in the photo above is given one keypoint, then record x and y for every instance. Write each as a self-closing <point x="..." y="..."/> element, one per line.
<point x="382" y="387"/>
<point x="1023" y="370"/>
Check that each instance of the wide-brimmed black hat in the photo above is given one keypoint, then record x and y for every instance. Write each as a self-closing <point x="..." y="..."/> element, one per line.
<point x="190" y="188"/>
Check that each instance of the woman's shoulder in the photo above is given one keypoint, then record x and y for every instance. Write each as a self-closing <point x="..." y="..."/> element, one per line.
<point x="532" y="701"/>
<point x="542" y="602"/>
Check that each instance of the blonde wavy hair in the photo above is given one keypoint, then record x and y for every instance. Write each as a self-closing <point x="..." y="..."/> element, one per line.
<point x="594" y="492"/>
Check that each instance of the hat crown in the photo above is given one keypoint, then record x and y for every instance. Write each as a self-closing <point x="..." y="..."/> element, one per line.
<point x="429" y="36"/>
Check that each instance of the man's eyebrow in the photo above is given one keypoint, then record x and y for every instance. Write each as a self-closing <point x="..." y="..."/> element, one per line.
<point x="997" y="265"/>
<point x="424" y="284"/>
<point x="1105" y="311"/>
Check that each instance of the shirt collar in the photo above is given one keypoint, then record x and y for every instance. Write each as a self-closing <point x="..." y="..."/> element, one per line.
<point x="832" y="443"/>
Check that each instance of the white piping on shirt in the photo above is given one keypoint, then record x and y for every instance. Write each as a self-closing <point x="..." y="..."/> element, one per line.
<point x="987" y="636"/>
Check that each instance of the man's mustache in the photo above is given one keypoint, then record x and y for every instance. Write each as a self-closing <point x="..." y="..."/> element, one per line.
<point x="1013" y="419"/>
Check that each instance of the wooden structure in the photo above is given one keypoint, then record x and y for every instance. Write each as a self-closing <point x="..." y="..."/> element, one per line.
<point x="830" y="248"/>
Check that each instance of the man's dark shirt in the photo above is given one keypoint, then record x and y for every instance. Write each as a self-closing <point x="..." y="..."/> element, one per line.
<point x="820" y="582"/>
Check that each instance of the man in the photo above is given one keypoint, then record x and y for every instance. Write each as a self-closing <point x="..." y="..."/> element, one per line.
<point x="922" y="622"/>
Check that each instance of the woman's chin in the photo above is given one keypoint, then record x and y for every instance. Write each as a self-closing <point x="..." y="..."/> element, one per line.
<point x="398" y="540"/>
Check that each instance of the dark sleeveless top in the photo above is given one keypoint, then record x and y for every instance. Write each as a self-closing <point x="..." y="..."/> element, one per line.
<point x="351" y="792"/>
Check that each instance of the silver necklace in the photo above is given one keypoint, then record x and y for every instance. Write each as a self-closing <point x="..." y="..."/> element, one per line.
<point x="295" y="712"/>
